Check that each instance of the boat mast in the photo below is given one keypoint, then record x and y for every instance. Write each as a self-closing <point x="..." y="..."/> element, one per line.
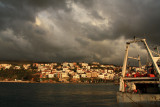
<point x="121" y="88"/>
<point x="125" y="60"/>
<point x="154" y="61"/>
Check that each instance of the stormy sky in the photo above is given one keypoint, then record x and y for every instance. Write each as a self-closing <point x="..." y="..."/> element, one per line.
<point x="76" y="30"/>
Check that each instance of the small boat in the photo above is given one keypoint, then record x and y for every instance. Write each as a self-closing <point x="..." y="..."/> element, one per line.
<point x="141" y="89"/>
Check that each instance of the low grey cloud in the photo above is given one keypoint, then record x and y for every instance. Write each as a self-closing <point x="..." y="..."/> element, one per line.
<point x="75" y="30"/>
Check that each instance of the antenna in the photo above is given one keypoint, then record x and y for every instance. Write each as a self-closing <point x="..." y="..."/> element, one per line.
<point x="157" y="50"/>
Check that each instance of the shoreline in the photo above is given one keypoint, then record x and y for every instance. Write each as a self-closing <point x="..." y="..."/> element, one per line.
<point x="53" y="82"/>
<point x="16" y="81"/>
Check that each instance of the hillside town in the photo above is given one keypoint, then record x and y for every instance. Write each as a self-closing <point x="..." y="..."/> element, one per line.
<point x="63" y="72"/>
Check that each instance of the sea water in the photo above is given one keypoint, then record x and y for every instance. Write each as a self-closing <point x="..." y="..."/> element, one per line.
<point x="57" y="95"/>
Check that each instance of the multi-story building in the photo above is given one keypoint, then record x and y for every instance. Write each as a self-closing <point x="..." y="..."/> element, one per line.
<point x="88" y="75"/>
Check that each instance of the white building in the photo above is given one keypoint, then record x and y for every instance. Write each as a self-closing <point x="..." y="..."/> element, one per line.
<point x="84" y="65"/>
<point x="89" y="67"/>
<point x="51" y="75"/>
<point x="109" y="76"/>
<point x="64" y="75"/>
<point x="71" y="72"/>
<point x="76" y="76"/>
<point x="110" y="71"/>
<point x="71" y="64"/>
<point x="17" y="67"/>
<point x="26" y="66"/>
<point x="83" y="75"/>
<point x="101" y="76"/>
<point x="80" y="71"/>
<point x="65" y="68"/>
<point x="65" y="64"/>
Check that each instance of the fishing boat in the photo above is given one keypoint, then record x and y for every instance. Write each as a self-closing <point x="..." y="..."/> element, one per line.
<point x="141" y="89"/>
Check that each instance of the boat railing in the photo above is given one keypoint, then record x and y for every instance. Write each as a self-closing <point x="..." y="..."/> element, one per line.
<point x="140" y="78"/>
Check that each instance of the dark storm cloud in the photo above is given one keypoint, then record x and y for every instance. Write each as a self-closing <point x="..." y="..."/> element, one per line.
<point x="137" y="18"/>
<point x="15" y="12"/>
<point x="18" y="16"/>
<point x="85" y="3"/>
<point x="75" y="30"/>
<point x="129" y="18"/>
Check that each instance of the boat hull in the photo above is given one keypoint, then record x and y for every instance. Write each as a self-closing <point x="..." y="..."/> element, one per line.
<point x="140" y="100"/>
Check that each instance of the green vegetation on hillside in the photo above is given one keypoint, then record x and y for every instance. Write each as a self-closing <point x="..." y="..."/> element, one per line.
<point x="19" y="74"/>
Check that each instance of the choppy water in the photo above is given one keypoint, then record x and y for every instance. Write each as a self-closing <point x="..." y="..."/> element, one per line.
<point x="57" y="95"/>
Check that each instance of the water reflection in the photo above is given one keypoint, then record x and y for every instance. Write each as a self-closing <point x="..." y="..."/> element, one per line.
<point x="59" y="95"/>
